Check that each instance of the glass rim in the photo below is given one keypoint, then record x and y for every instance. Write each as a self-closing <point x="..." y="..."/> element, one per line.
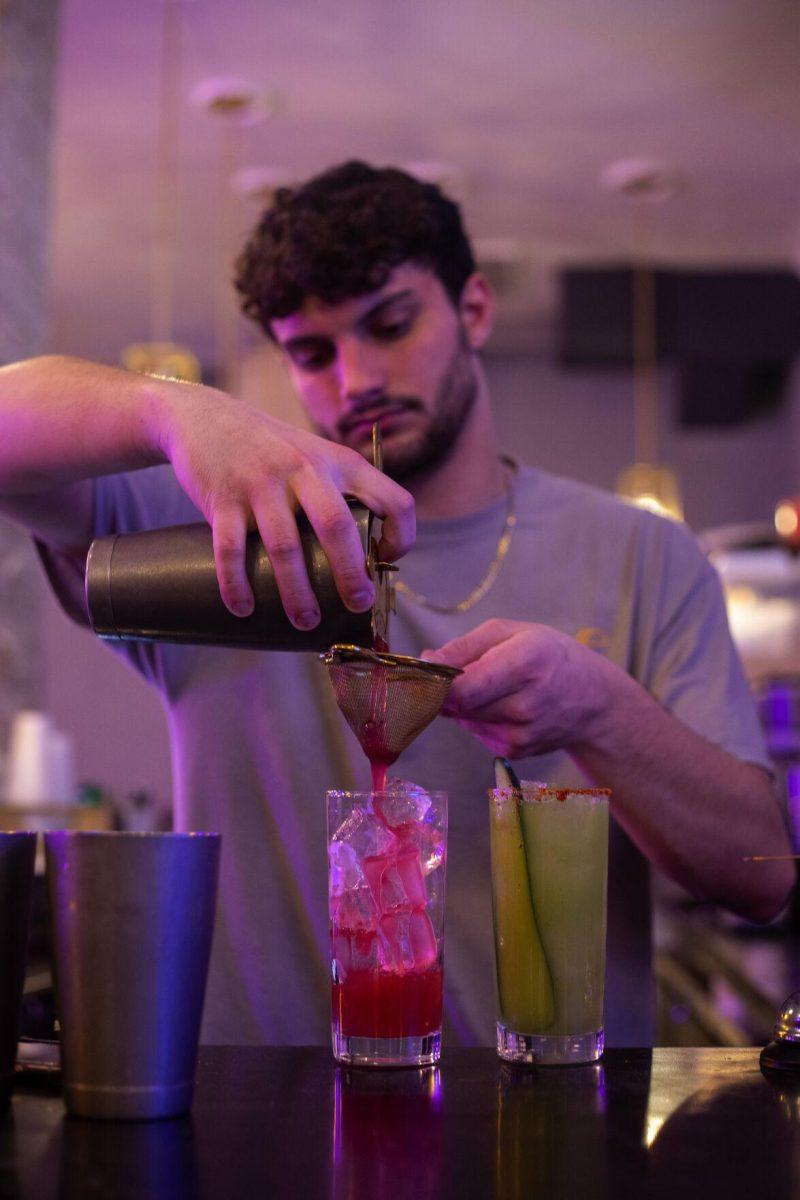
<point x="129" y="834"/>
<point x="356" y="793"/>
<point x="535" y="793"/>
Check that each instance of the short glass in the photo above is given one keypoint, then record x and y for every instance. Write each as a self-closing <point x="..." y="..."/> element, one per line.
<point x="386" y="874"/>
<point x="549" y="870"/>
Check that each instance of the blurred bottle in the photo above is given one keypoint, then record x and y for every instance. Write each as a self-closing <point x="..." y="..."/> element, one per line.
<point x="138" y="812"/>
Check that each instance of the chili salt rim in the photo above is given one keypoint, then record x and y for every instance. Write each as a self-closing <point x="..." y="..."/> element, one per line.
<point x="542" y="791"/>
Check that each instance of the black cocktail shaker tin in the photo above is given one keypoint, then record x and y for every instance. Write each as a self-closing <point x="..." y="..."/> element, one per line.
<point x="161" y="586"/>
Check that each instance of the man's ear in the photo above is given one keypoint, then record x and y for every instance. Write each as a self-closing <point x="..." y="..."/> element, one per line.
<point x="477" y="309"/>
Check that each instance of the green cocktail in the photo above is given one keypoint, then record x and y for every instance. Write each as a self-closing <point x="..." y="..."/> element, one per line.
<point x="549" y="870"/>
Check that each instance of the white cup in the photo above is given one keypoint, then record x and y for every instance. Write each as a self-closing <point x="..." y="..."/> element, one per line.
<point x="38" y="762"/>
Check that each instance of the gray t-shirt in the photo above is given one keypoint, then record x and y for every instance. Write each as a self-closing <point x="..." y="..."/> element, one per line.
<point x="257" y="739"/>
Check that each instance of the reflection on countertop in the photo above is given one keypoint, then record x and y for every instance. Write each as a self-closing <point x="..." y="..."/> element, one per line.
<point x="288" y="1122"/>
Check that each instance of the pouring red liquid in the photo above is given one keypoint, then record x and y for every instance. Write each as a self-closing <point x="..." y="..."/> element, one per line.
<point x="372" y="735"/>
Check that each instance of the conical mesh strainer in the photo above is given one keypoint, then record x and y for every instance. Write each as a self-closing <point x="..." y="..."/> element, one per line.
<point x="386" y="699"/>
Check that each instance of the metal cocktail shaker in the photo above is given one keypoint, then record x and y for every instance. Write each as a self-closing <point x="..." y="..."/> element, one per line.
<point x="161" y="586"/>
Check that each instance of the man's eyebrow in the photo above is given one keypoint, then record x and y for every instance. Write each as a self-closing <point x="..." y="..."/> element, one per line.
<point x="387" y="302"/>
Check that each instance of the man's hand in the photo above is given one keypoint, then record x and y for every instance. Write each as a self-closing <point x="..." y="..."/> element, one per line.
<point x="246" y="470"/>
<point x="526" y="688"/>
<point x="693" y="809"/>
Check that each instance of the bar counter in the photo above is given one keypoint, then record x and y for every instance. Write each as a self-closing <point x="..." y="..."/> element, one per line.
<point x="274" y="1122"/>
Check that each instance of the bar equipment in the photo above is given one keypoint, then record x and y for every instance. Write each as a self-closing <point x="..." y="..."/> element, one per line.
<point x="783" y="1052"/>
<point x="549" y="853"/>
<point x="160" y="585"/>
<point x="17" y="855"/>
<point x="386" y="876"/>
<point x="132" y="916"/>
<point x="386" y="699"/>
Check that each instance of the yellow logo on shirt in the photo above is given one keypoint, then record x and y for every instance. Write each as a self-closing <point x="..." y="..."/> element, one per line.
<point x="594" y="638"/>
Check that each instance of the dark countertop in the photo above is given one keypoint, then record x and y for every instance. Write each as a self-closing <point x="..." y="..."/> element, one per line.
<point x="274" y="1122"/>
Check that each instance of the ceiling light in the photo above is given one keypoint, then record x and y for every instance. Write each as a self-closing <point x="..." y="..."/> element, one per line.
<point x="235" y="99"/>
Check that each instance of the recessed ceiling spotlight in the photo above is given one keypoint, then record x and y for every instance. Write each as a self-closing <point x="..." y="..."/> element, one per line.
<point x="260" y="183"/>
<point x="235" y="99"/>
<point x="642" y="179"/>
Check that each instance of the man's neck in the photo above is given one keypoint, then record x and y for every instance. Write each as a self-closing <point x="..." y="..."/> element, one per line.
<point x="472" y="476"/>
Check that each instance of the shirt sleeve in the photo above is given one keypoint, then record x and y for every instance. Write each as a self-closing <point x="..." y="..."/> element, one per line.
<point x="691" y="664"/>
<point x="123" y="503"/>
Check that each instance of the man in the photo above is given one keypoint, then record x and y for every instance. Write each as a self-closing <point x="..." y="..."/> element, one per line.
<point x="592" y="635"/>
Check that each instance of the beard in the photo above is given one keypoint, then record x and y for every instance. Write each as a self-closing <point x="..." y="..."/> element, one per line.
<point x="418" y="453"/>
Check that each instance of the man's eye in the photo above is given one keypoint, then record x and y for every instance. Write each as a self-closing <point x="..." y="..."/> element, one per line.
<point x="312" y="358"/>
<point x="389" y="331"/>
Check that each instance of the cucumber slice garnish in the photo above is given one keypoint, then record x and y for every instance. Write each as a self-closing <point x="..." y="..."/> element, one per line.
<point x="504" y="775"/>
<point x="524" y="981"/>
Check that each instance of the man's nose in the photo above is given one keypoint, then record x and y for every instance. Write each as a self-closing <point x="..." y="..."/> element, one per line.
<point x="360" y="373"/>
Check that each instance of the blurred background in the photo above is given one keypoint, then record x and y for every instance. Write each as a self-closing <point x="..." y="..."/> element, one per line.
<point x="630" y="174"/>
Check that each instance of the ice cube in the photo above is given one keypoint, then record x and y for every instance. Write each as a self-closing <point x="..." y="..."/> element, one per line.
<point x="375" y="867"/>
<point x="410" y="940"/>
<point x="428" y="841"/>
<point x="422" y="939"/>
<point x="409" y="871"/>
<point x="364" y="834"/>
<point x="365" y="952"/>
<point x="397" y="941"/>
<point x="345" y="871"/>
<point x="431" y="848"/>
<point x="402" y="802"/>
<point x="393" y="896"/>
<point x="354" y="911"/>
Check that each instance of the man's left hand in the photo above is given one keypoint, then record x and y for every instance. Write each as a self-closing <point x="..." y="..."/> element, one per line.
<point x="526" y="688"/>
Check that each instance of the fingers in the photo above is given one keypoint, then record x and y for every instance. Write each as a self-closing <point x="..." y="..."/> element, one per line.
<point x="335" y="528"/>
<point x="388" y="500"/>
<point x="462" y="651"/>
<point x="494" y="662"/>
<point x="316" y="482"/>
<point x="495" y="677"/>
<point x="278" y="530"/>
<point x="229" y="534"/>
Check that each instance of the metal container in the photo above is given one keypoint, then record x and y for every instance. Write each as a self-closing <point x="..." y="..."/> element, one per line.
<point x="17" y="853"/>
<point x="133" y="916"/>
<point x="161" y="586"/>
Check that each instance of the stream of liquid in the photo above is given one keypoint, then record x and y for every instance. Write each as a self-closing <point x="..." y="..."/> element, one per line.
<point x="374" y="737"/>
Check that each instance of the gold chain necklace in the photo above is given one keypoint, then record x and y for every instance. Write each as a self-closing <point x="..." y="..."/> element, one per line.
<point x="501" y="550"/>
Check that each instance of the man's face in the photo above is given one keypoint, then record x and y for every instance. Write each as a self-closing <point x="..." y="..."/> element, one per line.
<point x="399" y="356"/>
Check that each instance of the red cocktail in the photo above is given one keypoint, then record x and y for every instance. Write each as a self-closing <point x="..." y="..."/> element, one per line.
<point x="386" y="889"/>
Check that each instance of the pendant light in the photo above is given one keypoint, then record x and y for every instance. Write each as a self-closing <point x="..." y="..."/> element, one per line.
<point x="161" y="355"/>
<point x="648" y="482"/>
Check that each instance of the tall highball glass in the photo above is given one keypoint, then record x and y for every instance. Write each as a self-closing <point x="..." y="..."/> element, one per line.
<point x="386" y="860"/>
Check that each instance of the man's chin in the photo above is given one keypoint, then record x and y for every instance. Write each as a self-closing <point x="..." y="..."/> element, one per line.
<point x="405" y="463"/>
<point x="400" y="450"/>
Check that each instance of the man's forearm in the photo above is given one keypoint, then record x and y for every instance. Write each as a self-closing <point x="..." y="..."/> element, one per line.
<point x="692" y="809"/>
<point x="63" y="420"/>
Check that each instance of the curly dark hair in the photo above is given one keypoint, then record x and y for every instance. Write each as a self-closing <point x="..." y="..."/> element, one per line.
<point x="342" y="234"/>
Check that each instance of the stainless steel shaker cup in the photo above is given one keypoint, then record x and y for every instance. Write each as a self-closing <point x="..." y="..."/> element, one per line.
<point x="132" y="917"/>
<point x="161" y="585"/>
<point x="17" y="854"/>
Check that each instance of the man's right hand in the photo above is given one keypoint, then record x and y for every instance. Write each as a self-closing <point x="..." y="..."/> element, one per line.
<point x="246" y="470"/>
<point x="65" y="421"/>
